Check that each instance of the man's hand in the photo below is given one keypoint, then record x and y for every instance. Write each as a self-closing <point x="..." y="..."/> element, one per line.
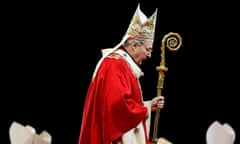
<point x="157" y="102"/>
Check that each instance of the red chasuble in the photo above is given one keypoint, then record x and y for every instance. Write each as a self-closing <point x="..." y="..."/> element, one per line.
<point x="113" y="103"/>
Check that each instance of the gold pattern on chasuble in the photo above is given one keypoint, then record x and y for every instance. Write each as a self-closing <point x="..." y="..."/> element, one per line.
<point x="114" y="56"/>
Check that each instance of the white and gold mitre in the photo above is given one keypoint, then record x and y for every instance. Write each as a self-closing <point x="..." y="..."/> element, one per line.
<point x="142" y="27"/>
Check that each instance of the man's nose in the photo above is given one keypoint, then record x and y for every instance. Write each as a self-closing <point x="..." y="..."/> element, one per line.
<point x="149" y="55"/>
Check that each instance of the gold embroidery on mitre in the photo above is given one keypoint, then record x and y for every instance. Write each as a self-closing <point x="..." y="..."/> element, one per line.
<point x="142" y="27"/>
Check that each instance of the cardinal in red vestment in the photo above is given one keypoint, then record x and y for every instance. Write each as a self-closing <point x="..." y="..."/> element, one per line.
<point x="114" y="110"/>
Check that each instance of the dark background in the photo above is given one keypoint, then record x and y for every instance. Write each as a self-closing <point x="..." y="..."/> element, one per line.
<point x="54" y="47"/>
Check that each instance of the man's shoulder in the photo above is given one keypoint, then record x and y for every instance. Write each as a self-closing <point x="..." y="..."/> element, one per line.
<point x="114" y="56"/>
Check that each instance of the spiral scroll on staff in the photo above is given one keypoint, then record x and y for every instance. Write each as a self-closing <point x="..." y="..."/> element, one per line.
<point x="173" y="41"/>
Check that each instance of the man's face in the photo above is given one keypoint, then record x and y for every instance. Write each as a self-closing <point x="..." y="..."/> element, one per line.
<point x="143" y="52"/>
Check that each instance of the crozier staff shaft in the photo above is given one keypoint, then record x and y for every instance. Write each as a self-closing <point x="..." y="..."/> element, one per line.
<point x="173" y="42"/>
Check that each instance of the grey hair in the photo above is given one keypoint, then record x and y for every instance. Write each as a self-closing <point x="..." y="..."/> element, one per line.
<point x="139" y="42"/>
<point x="129" y="42"/>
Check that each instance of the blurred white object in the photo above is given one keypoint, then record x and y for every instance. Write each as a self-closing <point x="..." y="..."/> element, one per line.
<point x="43" y="138"/>
<point x="20" y="134"/>
<point x="162" y="140"/>
<point x="218" y="133"/>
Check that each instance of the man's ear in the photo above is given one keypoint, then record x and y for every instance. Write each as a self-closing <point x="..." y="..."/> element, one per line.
<point x="134" y="46"/>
